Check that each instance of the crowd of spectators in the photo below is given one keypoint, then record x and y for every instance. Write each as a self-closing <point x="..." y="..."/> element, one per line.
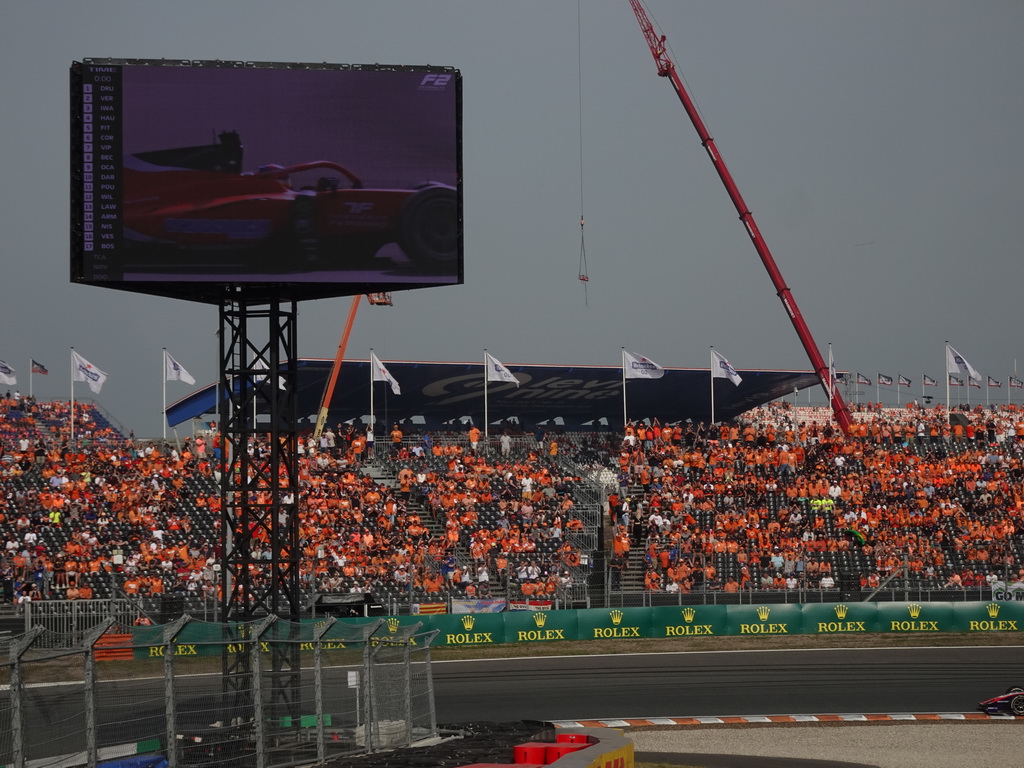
<point x="772" y="501"/>
<point x="115" y="514"/>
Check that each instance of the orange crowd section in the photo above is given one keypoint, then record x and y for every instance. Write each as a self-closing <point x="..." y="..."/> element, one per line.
<point x="777" y="500"/>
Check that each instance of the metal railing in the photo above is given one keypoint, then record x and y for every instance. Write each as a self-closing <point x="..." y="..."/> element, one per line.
<point x="162" y="690"/>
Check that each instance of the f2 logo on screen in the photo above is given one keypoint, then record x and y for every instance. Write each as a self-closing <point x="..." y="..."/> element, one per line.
<point x="434" y="82"/>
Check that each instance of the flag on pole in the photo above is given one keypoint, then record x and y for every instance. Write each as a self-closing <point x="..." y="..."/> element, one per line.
<point x="498" y="372"/>
<point x="973" y="382"/>
<point x="1015" y="382"/>
<point x="380" y="373"/>
<point x="885" y="381"/>
<point x="7" y="374"/>
<point x="834" y="376"/>
<point x="957" y="363"/>
<point x="721" y="369"/>
<point x="639" y="367"/>
<point x="994" y="382"/>
<point x="862" y="379"/>
<point x="39" y="368"/>
<point x="955" y="381"/>
<point x="928" y="381"/>
<point x="261" y="364"/>
<point x="85" y="371"/>
<point x="174" y="371"/>
<point x="902" y="381"/>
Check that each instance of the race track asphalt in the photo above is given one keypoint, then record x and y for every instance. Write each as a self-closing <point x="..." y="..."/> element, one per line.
<point x="729" y="683"/>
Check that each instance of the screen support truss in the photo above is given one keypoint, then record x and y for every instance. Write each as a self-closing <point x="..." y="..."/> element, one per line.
<point x="259" y="534"/>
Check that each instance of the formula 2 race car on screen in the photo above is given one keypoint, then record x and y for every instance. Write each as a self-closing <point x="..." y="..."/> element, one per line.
<point x="194" y="208"/>
<point x="1011" y="703"/>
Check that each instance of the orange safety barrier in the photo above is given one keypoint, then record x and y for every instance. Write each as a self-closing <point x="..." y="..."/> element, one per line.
<point x="573" y="738"/>
<point x="114" y="648"/>
<point x="532" y="752"/>
<point x="555" y="751"/>
<point x="547" y="752"/>
<point x="618" y="752"/>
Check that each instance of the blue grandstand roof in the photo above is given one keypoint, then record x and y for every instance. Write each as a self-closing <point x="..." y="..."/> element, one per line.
<point x="574" y="396"/>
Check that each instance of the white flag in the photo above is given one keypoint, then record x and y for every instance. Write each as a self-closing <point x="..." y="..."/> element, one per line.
<point x="721" y="369"/>
<point x="639" y="367"/>
<point x="260" y="364"/>
<point x="7" y="374"/>
<point x="498" y="372"/>
<point x="380" y="373"/>
<point x="957" y="363"/>
<point x="85" y="371"/>
<point x="174" y="371"/>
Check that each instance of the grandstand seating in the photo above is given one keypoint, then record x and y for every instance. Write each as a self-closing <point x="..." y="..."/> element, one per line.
<point x="773" y="502"/>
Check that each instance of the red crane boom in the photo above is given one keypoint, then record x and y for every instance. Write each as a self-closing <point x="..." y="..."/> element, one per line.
<point x="667" y="69"/>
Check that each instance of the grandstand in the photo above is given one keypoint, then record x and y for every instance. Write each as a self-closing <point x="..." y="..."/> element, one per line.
<point x="777" y="505"/>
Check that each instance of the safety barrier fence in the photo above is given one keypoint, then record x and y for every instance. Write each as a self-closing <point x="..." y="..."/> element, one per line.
<point x="534" y="626"/>
<point x="268" y="694"/>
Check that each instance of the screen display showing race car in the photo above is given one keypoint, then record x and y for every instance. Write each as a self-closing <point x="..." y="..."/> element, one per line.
<point x="200" y="180"/>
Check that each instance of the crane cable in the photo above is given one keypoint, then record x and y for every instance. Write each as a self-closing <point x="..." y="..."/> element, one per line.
<point x="583" y="276"/>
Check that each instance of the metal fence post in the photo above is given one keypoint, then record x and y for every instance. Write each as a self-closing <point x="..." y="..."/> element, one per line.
<point x="366" y="689"/>
<point x="171" y="632"/>
<point x="318" y="686"/>
<point x="19" y="646"/>
<point x="407" y="684"/>
<point x="427" y="640"/>
<point x="91" y="751"/>
<point x="259" y="724"/>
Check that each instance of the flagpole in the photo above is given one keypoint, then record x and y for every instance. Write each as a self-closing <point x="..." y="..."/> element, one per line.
<point x="487" y="420"/>
<point x="878" y="389"/>
<point x="373" y="419"/>
<point x="72" y="414"/>
<point x="711" y="370"/>
<point x="625" y="420"/>
<point x="163" y="376"/>
<point x="30" y="377"/>
<point x="898" y="377"/>
<point x="831" y="364"/>
<point x="945" y="365"/>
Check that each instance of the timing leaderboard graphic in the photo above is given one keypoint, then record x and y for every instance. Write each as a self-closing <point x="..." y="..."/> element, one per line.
<point x="192" y="179"/>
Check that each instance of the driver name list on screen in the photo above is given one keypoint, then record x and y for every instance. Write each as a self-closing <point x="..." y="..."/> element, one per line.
<point x="101" y="171"/>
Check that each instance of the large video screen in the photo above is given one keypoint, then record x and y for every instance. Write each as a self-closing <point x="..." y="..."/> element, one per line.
<point x="205" y="180"/>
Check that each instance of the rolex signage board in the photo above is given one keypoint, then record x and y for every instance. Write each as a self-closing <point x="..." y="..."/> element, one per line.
<point x="840" y="618"/>
<point x="988" y="617"/>
<point x="614" y="623"/>
<point x="914" y="618"/>
<point x="396" y="627"/>
<point x="689" y="621"/>
<point x="765" y="619"/>
<point x="468" y="628"/>
<point x="540" y="626"/>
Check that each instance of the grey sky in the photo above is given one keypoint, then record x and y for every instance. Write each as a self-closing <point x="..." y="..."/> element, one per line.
<point x="877" y="144"/>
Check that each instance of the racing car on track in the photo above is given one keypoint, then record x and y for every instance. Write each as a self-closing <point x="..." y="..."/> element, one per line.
<point x="195" y="207"/>
<point x="1011" y="702"/>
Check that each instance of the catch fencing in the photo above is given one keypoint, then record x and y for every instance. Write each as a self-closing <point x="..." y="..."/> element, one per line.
<point x="268" y="694"/>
